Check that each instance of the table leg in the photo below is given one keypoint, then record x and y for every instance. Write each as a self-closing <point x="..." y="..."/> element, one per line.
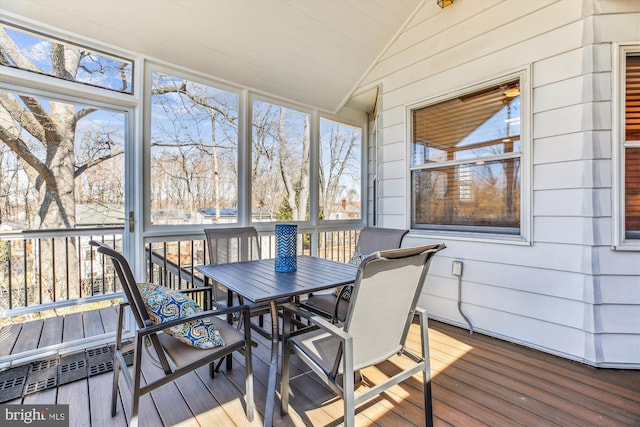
<point x="273" y="366"/>
<point x="230" y="320"/>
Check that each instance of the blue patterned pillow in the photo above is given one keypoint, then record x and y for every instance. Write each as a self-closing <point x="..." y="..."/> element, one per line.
<point x="164" y="304"/>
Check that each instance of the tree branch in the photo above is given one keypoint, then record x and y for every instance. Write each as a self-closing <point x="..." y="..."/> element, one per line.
<point x="82" y="168"/>
<point x="83" y="113"/>
<point x="196" y="99"/>
<point x="16" y="112"/>
<point x="10" y="50"/>
<point x="18" y="146"/>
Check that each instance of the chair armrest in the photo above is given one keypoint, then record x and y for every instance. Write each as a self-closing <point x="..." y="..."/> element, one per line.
<point x="207" y="291"/>
<point x="196" y="316"/>
<point x="318" y="320"/>
<point x="193" y="290"/>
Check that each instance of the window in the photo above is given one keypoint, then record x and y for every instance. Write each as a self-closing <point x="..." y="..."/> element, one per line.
<point x="30" y="51"/>
<point x="194" y="152"/>
<point x="280" y="163"/>
<point x="631" y="145"/>
<point x="466" y="162"/>
<point x="340" y="171"/>
<point x="63" y="179"/>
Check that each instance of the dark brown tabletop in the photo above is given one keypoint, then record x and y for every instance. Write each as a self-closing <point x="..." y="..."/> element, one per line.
<point x="257" y="281"/>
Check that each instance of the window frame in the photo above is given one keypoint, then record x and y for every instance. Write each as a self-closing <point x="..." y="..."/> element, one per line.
<point x="482" y="234"/>
<point x="620" y="52"/>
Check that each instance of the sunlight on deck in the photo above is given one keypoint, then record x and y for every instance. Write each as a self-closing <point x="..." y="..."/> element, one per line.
<point x="445" y="351"/>
<point x="455" y="350"/>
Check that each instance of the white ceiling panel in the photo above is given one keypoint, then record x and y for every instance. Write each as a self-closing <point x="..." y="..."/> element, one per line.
<point x="309" y="51"/>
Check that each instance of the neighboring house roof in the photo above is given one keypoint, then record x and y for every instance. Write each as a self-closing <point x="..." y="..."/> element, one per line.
<point x="99" y="214"/>
<point x="223" y="211"/>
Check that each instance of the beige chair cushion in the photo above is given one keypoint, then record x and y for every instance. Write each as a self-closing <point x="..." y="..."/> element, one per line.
<point x="182" y="354"/>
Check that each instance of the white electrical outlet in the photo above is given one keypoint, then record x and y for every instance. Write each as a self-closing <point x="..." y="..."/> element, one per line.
<point x="457" y="268"/>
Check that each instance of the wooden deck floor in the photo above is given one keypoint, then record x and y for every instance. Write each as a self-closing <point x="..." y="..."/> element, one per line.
<point x="18" y="337"/>
<point x="477" y="380"/>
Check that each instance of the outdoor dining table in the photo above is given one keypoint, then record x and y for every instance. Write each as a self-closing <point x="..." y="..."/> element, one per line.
<point x="258" y="282"/>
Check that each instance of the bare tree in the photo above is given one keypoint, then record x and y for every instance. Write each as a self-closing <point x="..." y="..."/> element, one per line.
<point x="183" y="153"/>
<point x="294" y="171"/>
<point x="337" y="155"/>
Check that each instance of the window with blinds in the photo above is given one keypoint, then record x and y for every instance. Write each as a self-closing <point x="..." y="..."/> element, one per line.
<point x="632" y="146"/>
<point x="466" y="162"/>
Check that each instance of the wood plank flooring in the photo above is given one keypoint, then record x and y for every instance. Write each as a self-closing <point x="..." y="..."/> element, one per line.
<point x="477" y="380"/>
<point x="41" y="333"/>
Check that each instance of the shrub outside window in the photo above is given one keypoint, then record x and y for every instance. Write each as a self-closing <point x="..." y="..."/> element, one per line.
<point x="466" y="162"/>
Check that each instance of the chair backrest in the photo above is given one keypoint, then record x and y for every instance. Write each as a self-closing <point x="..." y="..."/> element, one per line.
<point x="380" y="315"/>
<point x="128" y="281"/>
<point x="232" y="244"/>
<point x="373" y="239"/>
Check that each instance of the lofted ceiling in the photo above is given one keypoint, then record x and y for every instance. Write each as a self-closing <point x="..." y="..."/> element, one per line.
<point x="313" y="52"/>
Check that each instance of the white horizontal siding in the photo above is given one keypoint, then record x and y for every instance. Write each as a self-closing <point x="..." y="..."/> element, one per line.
<point x="394" y="170"/>
<point x="572" y="202"/>
<point x="572" y="63"/>
<point x="618" y="263"/>
<point x="618" y="349"/>
<point x="456" y="68"/>
<point x="573" y="174"/>
<point x="618" y="27"/>
<point x="575" y="90"/>
<point x="575" y="146"/>
<point x="572" y="119"/>
<point x="617" y="289"/>
<point x="394" y="134"/>
<point x="620" y="318"/>
<point x="572" y="230"/>
<point x="568" y="292"/>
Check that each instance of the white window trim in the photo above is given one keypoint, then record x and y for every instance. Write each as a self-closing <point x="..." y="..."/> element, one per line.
<point x="619" y="52"/>
<point x="526" y="211"/>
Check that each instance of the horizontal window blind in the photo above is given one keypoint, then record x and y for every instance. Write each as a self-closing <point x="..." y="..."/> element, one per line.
<point x="632" y="189"/>
<point x="632" y="98"/>
<point x="632" y="154"/>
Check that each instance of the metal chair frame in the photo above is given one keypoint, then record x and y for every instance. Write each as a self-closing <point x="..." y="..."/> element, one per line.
<point x="376" y="328"/>
<point x="184" y="357"/>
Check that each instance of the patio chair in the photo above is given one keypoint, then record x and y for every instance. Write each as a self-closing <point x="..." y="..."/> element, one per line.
<point x="161" y="347"/>
<point x="375" y="329"/>
<point x="334" y="305"/>
<point x="231" y="245"/>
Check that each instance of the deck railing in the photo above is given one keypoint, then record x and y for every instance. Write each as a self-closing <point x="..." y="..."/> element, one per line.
<point x="45" y="269"/>
<point x="171" y="262"/>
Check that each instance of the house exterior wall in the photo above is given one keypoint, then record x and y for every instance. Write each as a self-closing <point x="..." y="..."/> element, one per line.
<point x="565" y="290"/>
